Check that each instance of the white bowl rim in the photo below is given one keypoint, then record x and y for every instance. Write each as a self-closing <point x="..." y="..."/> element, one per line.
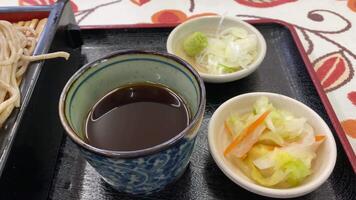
<point x="230" y="76"/>
<point x="265" y="191"/>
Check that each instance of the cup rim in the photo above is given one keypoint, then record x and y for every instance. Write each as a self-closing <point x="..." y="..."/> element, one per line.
<point x="141" y="152"/>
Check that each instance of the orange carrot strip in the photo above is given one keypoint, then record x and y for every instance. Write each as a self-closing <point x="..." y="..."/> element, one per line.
<point x="228" y="130"/>
<point x="319" y="138"/>
<point x="246" y="132"/>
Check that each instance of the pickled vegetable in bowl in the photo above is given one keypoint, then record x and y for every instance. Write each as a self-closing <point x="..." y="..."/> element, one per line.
<point x="226" y="51"/>
<point x="221" y="48"/>
<point x="271" y="146"/>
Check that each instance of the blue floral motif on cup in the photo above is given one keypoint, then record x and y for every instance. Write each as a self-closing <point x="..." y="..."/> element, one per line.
<point x="143" y="175"/>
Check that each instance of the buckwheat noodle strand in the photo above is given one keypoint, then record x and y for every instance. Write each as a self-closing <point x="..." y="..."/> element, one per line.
<point x="17" y="44"/>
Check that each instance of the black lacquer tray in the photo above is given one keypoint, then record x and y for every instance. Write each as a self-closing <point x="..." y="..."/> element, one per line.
<point x="56" y="22"/>
<point x="67" y="176"/>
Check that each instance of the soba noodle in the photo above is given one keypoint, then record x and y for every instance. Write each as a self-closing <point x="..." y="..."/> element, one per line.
<point x="17" y="44"/>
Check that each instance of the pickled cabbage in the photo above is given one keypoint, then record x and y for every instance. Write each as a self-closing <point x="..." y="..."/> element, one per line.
<point x="283" y="153"/>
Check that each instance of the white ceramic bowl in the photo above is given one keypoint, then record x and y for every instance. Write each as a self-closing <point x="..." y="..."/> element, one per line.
<point x="209" y="24"/>
<point x="322" y="166"/>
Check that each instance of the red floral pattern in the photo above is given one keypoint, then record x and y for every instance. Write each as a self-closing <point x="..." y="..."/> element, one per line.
<point x="352" y="97"/>
<point x="333" y="70"/>
<point x="173" y="16"/>
<point x="263" y="3"/>
<point x="169" y="16"/>
<point x="352" y="5"/>
<point x="349" y="127"/>
<point x="140" y="2"/>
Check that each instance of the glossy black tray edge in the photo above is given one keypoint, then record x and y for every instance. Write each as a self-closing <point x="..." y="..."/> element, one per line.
<point x="8" y="133"/>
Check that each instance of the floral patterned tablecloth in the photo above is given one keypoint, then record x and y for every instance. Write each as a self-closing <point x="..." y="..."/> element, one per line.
<point x="327" y="29"/>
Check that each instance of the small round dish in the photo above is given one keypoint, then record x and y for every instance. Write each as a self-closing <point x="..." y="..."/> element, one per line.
<point x="322" y="166"/>
<point x="209" y="24"/>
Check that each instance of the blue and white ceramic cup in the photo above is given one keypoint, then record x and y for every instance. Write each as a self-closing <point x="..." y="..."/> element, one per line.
<point x="142" y="171"/>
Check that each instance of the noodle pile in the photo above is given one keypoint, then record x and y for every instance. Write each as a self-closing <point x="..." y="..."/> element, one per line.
<point x="17" y="43"/>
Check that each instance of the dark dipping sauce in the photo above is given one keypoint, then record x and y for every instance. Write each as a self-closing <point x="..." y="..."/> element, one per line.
<point x="136" y="117"/>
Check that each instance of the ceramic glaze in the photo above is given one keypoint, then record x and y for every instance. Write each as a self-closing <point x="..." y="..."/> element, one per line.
<point x="141" y="171"/>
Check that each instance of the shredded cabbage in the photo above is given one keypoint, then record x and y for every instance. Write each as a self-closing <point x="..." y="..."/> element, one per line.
<point x="271" y="138"/>
<point x="231" y="50"/>
<point x="286" y="168"/>
<point x="295" y="168"/>
<point x="283" y="154"/>
<point x="235" y="124"/>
